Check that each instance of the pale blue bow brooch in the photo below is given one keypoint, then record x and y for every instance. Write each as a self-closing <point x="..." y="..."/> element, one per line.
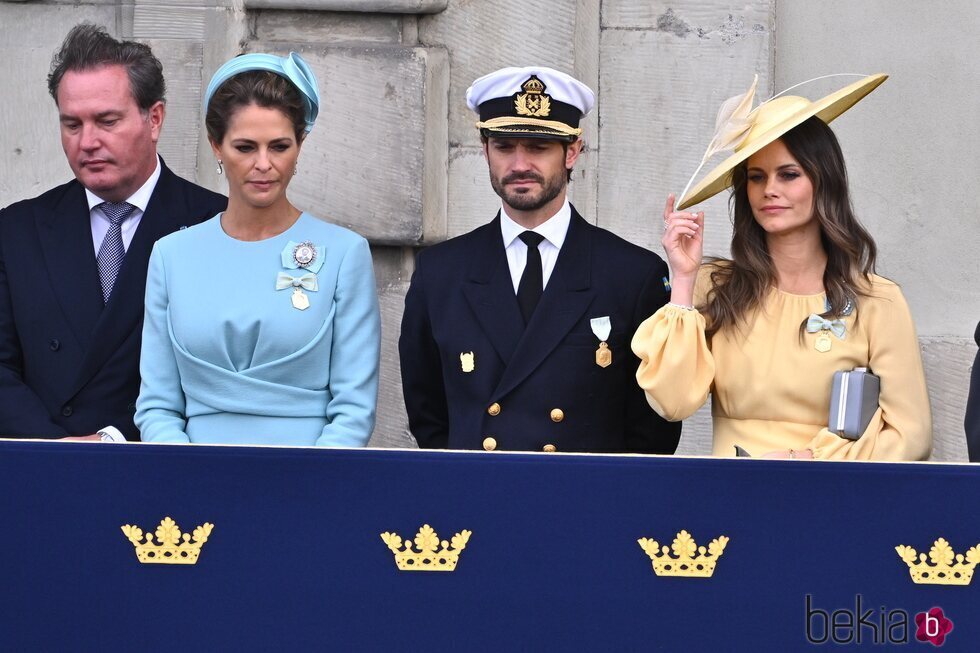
<point x="817" y="324"/>
<point x="296" y="256"/>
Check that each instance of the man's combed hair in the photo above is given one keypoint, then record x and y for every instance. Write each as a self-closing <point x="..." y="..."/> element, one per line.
<point x="89" y="46"/>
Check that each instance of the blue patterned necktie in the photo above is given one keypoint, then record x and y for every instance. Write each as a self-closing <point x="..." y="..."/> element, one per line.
<point x="112" y="252"/>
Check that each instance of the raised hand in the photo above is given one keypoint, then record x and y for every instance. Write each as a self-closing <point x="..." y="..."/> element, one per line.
<point x="683" y="242"/>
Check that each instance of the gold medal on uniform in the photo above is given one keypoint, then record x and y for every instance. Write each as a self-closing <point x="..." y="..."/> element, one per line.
<point x="466" y="360"/>
<point x="300" y="300"/>
<point x="603" y="355"/>
<point x="601" y="327"/>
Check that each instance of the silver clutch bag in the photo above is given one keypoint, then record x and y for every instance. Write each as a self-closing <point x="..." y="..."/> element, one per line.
<point x="853" y="401"/>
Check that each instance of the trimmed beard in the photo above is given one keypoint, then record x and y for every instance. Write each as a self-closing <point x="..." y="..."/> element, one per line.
<point x="527" y="201"/>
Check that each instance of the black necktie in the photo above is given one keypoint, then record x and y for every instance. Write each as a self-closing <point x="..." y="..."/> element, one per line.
<point x="532" y="285"/>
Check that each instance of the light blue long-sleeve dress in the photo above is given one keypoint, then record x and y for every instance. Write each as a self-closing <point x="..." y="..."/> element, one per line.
<point x="228" y="359"/>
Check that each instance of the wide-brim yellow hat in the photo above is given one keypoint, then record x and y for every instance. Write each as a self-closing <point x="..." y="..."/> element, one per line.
<point x="772" y="119"/>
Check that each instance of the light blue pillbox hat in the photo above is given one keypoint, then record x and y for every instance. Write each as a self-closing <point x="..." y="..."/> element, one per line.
<point x="292" y="67"/>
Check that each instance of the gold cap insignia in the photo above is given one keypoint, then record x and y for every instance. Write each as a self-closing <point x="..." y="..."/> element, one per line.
<point x="941" y="568"/>
<point x="428" y="557"/>
<point x="533" y="101"/>
<point x="174" y="548"/>
<point x="689" y="559"/>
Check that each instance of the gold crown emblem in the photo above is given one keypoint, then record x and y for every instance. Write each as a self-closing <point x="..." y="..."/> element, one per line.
<point x="174" y="547"/>
<point x="944" y="567"/>
<point x="533" y="85"/>
<point x="533" y="101"/>
<point x="428" y="557"/>
<point x="684" y="562"/>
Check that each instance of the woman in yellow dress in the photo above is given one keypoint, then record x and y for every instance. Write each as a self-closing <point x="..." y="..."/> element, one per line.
<point x="765" y="331"/>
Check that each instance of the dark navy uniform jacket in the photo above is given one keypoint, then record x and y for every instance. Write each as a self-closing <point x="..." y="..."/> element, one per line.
<point x="973" y="407"/>
<point x="69" y="364"/>
<point x="535" y="388"/>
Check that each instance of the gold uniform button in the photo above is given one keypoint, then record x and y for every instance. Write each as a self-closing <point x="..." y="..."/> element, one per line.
<point x="494" y="409"/>
<point x="549" y="448"/>
<point x="489" y="444"/>
<point x="557" y="415"/>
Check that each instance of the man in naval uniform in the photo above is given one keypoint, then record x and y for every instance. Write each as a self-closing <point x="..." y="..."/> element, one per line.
<point x="516" y="336"/>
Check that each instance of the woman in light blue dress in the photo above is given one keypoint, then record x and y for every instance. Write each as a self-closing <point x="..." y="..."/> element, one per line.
<point x="262" y="323"/>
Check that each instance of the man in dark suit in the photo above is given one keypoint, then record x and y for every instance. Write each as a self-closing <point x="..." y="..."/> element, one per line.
<point x="972" y="421"/>
<point x="516" y="336"/>
<point x="73" y="260"/>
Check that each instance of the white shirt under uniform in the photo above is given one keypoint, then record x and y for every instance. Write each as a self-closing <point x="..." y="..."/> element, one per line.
<point x="554" y="230"/>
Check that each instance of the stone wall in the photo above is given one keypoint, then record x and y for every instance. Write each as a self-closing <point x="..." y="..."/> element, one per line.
<point x="396" y="158"/>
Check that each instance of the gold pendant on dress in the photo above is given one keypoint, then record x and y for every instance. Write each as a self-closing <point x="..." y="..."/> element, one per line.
<point x="300" y="300"/>
<point x="603" y="355"/>
<point x="823" y="343"/>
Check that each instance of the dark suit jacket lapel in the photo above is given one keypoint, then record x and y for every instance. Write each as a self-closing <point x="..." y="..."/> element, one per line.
<point x="124" y="312"/>
<point x="490" y="292"/>
<point x="566" y="298"/>
<point x="65" y="234"/>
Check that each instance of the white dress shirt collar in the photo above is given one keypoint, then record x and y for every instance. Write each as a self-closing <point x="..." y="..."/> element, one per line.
<point x="139" y="199"/>
<point x="554" y="229"/>
<point x="99" y="223"/>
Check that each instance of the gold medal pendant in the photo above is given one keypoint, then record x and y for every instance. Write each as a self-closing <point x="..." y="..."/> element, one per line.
<point x="823" y="343"/>
<point x="300" y="300"/>
<point x="603" y="355"/>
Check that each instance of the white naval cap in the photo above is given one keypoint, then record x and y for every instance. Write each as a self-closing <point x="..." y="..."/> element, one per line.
<point x="533" y="101"/>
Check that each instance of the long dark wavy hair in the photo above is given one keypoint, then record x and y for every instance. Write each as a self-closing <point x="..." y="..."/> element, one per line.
<point x="740" y="285"/>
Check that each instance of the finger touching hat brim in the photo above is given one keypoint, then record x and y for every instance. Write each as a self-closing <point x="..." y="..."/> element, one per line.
<point x="826" y="109"/>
